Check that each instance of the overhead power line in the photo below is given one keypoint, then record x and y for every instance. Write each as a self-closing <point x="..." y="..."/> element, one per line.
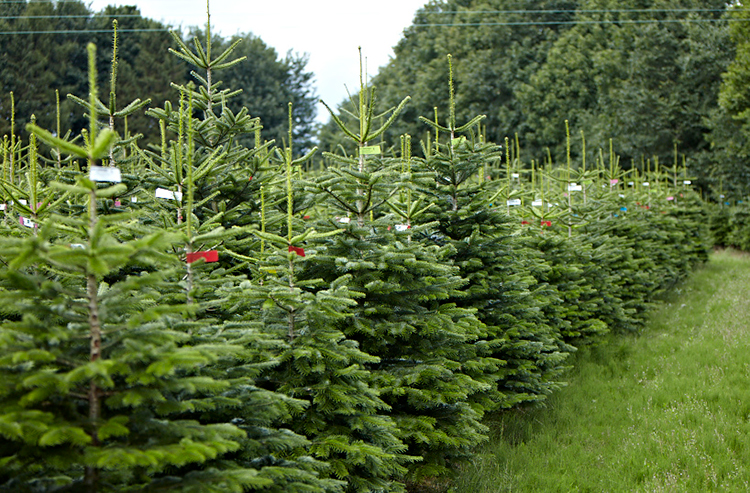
<point x="84" y="31"/>
<point x="436" y="13"/>
<point x="571" y="11"/>
<point x="558" y="23"/>
<point x="82" y="16"/>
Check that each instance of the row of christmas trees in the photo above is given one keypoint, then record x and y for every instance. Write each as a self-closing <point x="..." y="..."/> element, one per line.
<point x="201" y="316"/>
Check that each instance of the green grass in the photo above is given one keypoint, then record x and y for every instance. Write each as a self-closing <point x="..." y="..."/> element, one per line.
<point x="667" y="410"/>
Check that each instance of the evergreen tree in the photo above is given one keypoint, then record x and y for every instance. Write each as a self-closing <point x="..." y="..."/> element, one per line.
<point x="97" y="372"/>
<point x="495" y="264"/>
<point x="208" y="187"/>
<point x="405" y="316"/>
<point x="346" y="420"/>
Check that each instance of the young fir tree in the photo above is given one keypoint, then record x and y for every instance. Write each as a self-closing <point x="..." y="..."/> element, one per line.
<point x="95" y="373"/>
<point x="215" y="293"/>
<point x="403" y="316"/>
<point x="205" y="187"/>
<point x="567" y="263"/>
<point x="494" y="262"/>
<point x="345" y="420"/>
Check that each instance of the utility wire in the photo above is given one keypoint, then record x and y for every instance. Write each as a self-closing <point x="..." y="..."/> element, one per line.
<point x="452" y="24"/>
<point x="558" y="23"/>
<point x="451" y="12"/>
<point x="84" y="31"/>
<point x="569" y="11"/>
<point x="66" y="16"/>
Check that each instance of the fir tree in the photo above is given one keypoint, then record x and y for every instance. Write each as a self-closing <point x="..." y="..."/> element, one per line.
<point x="422" y="340"/>
<point x="495" y="264"/>
<point x="95" y="373"/>
<point x="345" y="420"/>
<point x="212" y="188"/>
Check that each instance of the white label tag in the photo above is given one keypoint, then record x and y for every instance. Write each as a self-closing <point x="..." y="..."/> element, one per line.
<point x="2" y="207"/>
<point x="402" y="227"/>
<point x="645" y="183"/>
<point x="27" y="222"/>
<point x="79" y="246"/>
<point x="622" y="196"/>
<point x="134" y="199"/>
<point x="515" y="175"/>
<point x="687" y="182"/>
<point x="536" y="203"/>
<point x="514" y="202"/>
<point x="23" y="201"/>
<point x="345" y="220"/>
<point x="574" y="187"/>
<point x="630" y="183"/>
<point x="162" y="193"/>
<point x="105" y="173"/>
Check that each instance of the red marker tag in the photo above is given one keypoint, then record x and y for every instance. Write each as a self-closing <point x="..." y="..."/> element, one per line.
<point x="209" y="256"/>
<point x="298" y="250"/>
<point x="547" y="223"/>
<point x="525" y="222"/>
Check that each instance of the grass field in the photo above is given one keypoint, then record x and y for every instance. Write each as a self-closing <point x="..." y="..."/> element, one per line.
<point x="666" y="410"/>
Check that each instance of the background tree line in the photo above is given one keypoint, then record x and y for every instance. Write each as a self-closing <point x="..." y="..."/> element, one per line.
<point x="645" y="73"/>
<point x="43" y="49"/>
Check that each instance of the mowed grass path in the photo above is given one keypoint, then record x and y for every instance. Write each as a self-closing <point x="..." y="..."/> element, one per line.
<point x="667" y="410"/>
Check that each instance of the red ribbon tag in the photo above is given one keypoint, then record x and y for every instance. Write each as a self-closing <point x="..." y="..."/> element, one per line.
<point x="209" y="256"/>
<point x="525" y="222"/>
<point x="298" y="250"/>
<point x="547" y="223"/>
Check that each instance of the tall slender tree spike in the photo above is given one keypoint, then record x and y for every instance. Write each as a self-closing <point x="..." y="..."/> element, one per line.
<point x="93" y="96"/>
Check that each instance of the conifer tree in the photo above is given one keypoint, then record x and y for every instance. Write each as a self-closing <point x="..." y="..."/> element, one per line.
<point x="494" y="263"/>
<point x="345" y="420"/>
<point x="96" y="373"/>
<point x="423" y="341"/>
<point x="208" y="188"/>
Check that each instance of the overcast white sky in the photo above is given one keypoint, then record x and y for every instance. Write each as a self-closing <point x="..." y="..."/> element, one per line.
<point x="329" y="30"/>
